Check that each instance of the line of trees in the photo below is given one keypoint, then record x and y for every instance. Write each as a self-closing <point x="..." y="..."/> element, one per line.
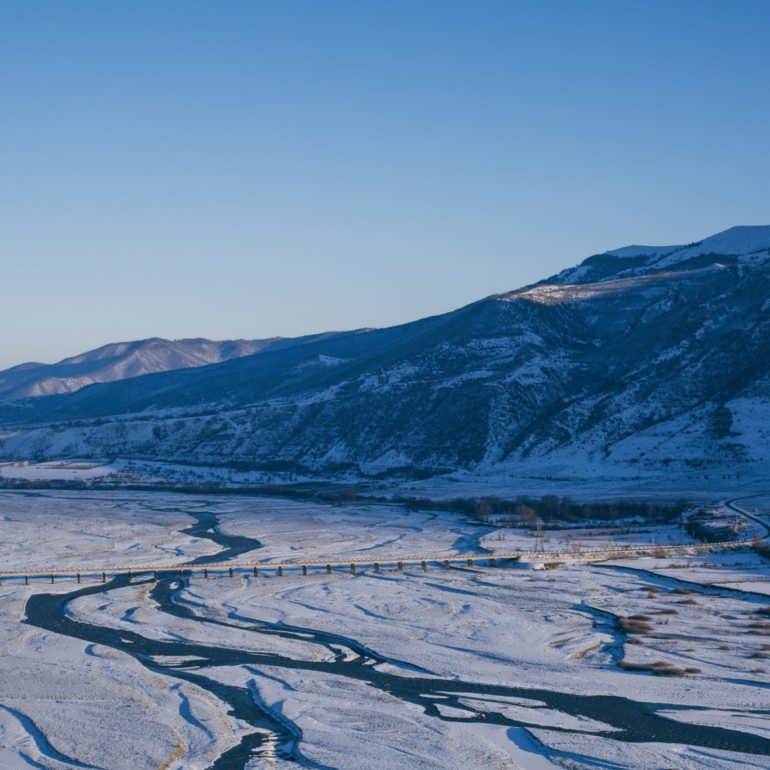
<point x="524" y="510"/>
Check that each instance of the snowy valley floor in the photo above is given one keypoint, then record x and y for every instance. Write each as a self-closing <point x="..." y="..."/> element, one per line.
<point x="654" y="663"/>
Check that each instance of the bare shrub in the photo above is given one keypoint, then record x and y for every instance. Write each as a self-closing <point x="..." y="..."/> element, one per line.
<point x="659" y="668"/>
<point x="635" y="625"/>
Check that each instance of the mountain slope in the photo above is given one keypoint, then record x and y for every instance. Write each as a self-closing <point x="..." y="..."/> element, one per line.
<point x="638" y="359"/>
<point x="122" y="360"/>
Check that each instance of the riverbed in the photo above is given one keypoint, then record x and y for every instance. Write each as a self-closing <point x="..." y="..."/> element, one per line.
<point x="633" y="665"/>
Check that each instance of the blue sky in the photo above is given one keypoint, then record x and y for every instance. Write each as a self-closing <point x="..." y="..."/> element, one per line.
<point x="247" y="169"/>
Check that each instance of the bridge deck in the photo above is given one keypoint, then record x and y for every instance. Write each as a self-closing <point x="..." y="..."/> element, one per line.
<point x="399" y="560"/>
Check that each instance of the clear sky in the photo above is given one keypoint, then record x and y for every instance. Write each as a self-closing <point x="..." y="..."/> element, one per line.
<point x="246" y="169"/>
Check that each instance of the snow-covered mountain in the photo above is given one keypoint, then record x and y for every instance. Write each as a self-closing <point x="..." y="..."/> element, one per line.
<point x="641" y="358"/>
<point x="121" y="360"/>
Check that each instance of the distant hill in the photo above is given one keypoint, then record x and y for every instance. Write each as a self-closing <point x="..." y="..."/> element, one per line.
<point x="639" y="358"/>
<point x="122" y="360"/>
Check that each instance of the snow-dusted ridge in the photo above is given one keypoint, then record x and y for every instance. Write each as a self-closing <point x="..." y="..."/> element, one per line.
<point x="557" y="293"/>
<point x="642" y="363"/>
<point x="741" y="241"/>
<point x="118" y="361"/>
<point x="742" y="244"/>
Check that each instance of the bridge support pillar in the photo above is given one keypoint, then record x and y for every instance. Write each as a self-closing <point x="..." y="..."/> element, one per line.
<point x="255" y="572"/>
<point x="304" y="569"/>
<point x="280" y="571"/>
<point x="352" y="569"/>
<point x="470" y="562"/>
<point x="328" y="569"/>
<point x="376" y="567"/>
<point x="424" y="565"/>
<point x="401" y="566"/>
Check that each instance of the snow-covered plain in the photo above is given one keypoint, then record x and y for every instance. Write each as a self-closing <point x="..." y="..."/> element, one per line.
<point x="447" y="668"/>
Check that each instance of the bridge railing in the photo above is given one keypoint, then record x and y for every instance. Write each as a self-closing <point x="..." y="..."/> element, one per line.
<point x="399" y="560"/>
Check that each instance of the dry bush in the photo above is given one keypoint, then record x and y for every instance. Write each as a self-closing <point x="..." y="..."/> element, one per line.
<point x="762" y="627"/>
<point x="637" y="625"/>
<point x="659" y="668"/>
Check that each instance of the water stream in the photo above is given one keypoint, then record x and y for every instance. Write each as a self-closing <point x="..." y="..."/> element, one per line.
<point x="625" y="719"/>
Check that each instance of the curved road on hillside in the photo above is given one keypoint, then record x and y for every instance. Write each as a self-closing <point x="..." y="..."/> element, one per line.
<point x="731" y="504"/>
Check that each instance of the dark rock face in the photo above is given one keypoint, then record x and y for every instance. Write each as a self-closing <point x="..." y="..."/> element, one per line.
<point x="641" y="357"/>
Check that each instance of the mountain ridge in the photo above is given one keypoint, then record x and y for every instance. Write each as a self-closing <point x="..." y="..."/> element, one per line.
<point x="658" y="363"/>
<point x="123" y="360"/>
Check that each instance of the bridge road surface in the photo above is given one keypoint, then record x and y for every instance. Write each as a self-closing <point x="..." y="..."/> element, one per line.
<point x="495" y="558"/>
<point x="397" y="561"/>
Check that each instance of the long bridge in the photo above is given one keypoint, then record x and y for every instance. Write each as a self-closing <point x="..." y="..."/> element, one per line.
<point x="354" y="564"/>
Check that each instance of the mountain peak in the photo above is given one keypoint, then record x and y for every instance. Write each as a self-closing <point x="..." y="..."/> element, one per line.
<point x="739" y="241"/>
<point x="644" y="359"/>
<point x="121" y="360"/>
<point x="742" y="243"/>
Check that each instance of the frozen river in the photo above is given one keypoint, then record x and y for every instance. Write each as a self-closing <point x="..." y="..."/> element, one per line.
<point x="471" y="667"/>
